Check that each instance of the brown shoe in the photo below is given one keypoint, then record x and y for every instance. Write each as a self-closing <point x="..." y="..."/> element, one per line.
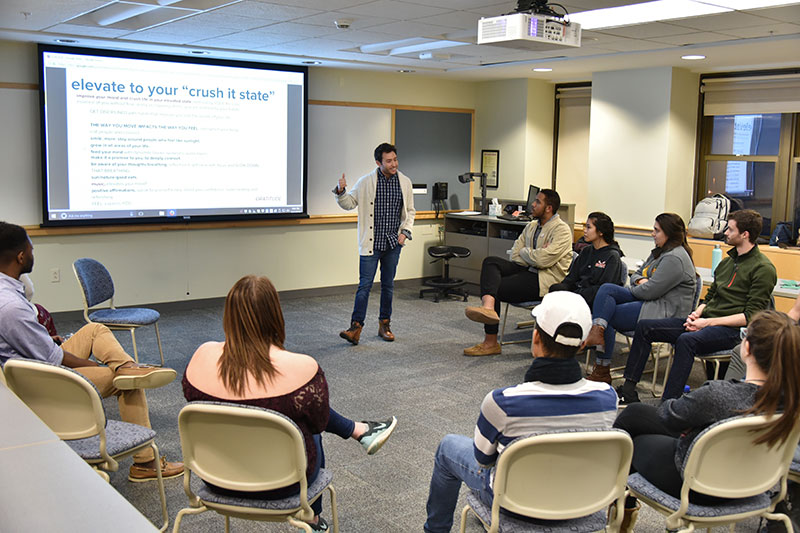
<point x="482" y="315"/>
<point x="481" y="349"/>
<point x="140" y="474"/>
<point x="352" y="334"/>
<point x="600" y="373"/>
<point x="142" y="377"/>
<point x="384" y="331"/>
<point x="596" y="336"/>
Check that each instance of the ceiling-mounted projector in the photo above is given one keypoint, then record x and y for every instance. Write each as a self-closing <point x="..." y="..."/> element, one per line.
<point x="529" y="31"/>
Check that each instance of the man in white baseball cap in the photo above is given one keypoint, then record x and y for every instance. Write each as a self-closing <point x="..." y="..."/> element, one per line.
<point x="554" y="397"/>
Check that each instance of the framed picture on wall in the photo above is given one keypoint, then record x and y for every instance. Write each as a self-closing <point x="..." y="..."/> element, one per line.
<point x="490" y="164"/>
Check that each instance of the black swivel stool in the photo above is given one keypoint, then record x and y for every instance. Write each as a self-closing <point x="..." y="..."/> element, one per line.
<point x="446" y="286"/>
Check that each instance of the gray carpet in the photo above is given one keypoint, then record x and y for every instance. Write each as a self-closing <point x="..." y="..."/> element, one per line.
<point x="422" y="378"/>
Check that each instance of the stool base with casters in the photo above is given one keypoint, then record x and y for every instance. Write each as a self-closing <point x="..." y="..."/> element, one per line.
<point x="445" y="285"/>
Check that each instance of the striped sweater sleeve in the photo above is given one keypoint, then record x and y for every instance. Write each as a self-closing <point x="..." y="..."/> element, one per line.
<point x="488" y="429"/>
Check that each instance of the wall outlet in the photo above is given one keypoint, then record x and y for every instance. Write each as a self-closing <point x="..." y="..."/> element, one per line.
<point x="55" y="275"/>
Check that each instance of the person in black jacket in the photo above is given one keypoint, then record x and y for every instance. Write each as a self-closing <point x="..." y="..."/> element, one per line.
<point x="599" y="263"/>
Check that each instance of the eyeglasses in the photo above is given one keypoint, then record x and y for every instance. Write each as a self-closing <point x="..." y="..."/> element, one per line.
<point x="743" y="333"/>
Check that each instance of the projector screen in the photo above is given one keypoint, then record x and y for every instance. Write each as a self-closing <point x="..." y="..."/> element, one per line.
<point x="142" y="138"/>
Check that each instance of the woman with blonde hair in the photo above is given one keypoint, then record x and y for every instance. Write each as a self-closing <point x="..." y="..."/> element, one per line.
<point x="662" y="436"/>
<point x="252" y="367"/>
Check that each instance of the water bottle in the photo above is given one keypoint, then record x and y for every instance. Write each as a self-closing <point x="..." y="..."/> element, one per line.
<point x="716" y="257"/>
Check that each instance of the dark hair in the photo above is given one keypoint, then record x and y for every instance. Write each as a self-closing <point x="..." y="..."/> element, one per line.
<point x="749" y="221"/>
<point x="552" y="199"/>
<point x="556" y="350"/>
<point x="253" y="323"/>
<point x="674" y="228"/>
<point x="384" y="148"/>
<point x="604" y="225"/>
<point x="13" y="240"/>
<point x="773" y="339"/>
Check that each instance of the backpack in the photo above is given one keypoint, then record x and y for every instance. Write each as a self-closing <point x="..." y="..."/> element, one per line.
<point x="782" y="235"/>
<point x="710" y="217"/>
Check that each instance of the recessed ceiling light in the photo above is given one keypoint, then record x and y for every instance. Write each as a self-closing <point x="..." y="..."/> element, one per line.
<point x="405" y="70"/>
<point x="199" y="52"/>
<point x="66" y="41"/>
<point x="693" y="57"/>
<point x="543" y="69"/>
<point x="312" y="62"/>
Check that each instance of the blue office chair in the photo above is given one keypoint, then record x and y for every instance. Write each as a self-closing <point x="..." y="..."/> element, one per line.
<point x="98" y="287"/>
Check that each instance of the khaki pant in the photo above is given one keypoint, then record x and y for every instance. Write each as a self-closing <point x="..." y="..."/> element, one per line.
<point x="97" y="339"/>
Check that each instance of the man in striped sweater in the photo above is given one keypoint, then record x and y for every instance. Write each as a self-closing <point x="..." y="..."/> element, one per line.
<point x="554" y="397"/>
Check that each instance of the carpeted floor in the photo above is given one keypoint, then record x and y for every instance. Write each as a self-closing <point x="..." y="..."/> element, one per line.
<point x="422" y="378"/>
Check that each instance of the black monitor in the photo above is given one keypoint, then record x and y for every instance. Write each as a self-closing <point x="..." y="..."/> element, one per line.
<point x="533" y="190"/>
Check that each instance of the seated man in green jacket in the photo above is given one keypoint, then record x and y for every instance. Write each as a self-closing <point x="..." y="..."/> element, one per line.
<point x="540" y="258"/>
<point x="743" y="284"/>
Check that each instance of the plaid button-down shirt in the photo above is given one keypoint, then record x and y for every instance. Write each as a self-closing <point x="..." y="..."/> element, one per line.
<point x="388" y="203"/>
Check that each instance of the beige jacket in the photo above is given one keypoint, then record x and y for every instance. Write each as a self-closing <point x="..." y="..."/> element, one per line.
<point x="552" y="255"/>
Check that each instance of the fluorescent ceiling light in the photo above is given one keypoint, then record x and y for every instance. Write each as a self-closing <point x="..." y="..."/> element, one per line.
<point x="749" y="4"/>
<point x="421" y="47"/>
<point x="646" y="12"/>
<point x="693" y="57"/>
<point x="542" y="69"/>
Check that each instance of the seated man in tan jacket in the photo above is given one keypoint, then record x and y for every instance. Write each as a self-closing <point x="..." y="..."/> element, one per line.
<point x="540" y="257"/>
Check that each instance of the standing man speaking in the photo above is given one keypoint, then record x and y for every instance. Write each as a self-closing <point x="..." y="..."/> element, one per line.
<point x="385" y="202"/>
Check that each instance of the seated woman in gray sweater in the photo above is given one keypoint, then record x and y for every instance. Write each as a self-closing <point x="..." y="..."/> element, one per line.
<point x="662" y="436"/>
<point x="662" y="287"/>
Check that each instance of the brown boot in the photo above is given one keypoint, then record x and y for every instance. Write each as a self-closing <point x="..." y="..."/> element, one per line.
<point x="596" y="336"/>
<point x="384" y="331"/>
<point x="600" y="373"/>
<point x="352" y="334"/>
<point x="629" y="519"/>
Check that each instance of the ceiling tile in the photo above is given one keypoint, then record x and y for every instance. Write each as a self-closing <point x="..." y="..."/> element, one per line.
<point x="461" y="20"/>
<point x="89" y="31"/>
<point x="634" y="45"/>
<point x="781" y="14"/>
<point x="243" y="41"/>
<point x="767" y="30"/>
<point x="721" y="21"/>
<point x="42" y="13"/>
<point x="299" y="31"/>
<point x="645" y="31"/>
<point x="357" y="22"/>
<point x="410" y="29"/>
<point x="460" y="4"/>
<point x="692" y="38"/>
<point x="394" y="9"/>
<point x="221" y="19"/>
<point x="262" y="10"/>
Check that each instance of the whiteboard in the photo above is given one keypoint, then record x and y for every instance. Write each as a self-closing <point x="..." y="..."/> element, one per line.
<point x="341" y="139"/>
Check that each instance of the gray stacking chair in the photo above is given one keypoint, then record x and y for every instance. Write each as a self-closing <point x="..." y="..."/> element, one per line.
<point x="71" y="406"/>
<point x="249" y="449"/>
<point x="723" y="462"/>
<point x="561" y="482"/>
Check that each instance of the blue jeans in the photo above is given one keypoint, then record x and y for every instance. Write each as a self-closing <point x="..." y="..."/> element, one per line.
<point x="615" y="309"/>
<point x="339" y="425"/>
<point x="367" y="267"/>
<point x="687" y="345"/>
<point x="455" y="462"/>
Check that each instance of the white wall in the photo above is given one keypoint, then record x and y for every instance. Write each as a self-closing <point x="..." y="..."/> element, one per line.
<point x="641" y="144"/>
<point x="516" y="118"/>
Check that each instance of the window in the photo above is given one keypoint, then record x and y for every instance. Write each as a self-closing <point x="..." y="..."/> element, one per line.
<point x="750" y="144"/>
